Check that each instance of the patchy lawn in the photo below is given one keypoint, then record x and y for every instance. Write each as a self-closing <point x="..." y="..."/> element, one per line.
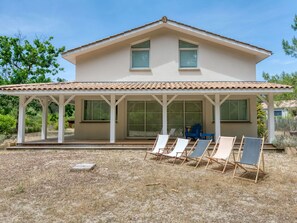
<point x="37" y="186"/>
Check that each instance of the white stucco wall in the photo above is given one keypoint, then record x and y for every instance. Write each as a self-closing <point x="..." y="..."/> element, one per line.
<point x="216" y="62"/>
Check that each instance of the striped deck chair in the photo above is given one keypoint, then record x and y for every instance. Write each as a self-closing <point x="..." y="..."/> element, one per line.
<point x="251" y="157"/>
<point x="177" y="149"/>
<point x="198" y="151"/>
<point x="222" y="151"/>
<point x="159" y="145"/>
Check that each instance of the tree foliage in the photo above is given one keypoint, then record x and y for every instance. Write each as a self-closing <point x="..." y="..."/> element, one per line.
<point x="261" y="121"/>
<point x="23" y="62"/>
<point x="284" y="78"/>
<point x="291" y="49"/>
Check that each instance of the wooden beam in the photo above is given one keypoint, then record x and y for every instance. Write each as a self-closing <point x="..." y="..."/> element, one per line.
<point x="54" y="100"/>
<point x="171" y="100"/>
<point x="105" y="99"/>
<point x="209" y="99"/>
<point x="225" y="98"/>
<point x="69" y="99"/>
<point x="157" y="99"/>
<point x="121" y="98"/>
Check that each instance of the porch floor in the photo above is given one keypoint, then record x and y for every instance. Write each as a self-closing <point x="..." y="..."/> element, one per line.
<point x="74" y="144"/>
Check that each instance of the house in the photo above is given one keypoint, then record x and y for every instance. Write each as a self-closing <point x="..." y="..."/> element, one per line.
<point x="282" y="108"/>
<point x="155" y="77"/>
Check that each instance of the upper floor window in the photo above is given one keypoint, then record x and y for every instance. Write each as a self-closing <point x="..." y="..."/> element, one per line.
<point x="187" y="55"/>
<point x="140" y="54"/>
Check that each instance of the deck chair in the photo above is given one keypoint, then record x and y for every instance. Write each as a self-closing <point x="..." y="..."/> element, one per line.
<point x="177" y="149"/>
<point x="251" y="157"/>
<point x="159" y="145"/>
<point x="171" y="132"/>
<point x="198" y="151"/>
<point x="222" y="151"/>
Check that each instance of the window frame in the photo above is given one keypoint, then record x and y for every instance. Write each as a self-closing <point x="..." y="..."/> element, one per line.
<point x="83" y="120"/>
<point x="234" y="121"/>
<point x="184" y="101"/>
<point x="140" y="49"/>
<point x="188" y="49"/>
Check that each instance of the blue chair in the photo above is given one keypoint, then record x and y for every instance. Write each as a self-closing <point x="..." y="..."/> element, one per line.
<point x="195" y="132"/>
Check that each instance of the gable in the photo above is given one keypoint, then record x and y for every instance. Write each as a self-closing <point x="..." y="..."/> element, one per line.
<point x="165" y="23"/>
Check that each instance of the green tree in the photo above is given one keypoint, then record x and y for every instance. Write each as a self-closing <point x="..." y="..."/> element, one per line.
<point x="284" y="78"/>
<point x="23" y="62"/>
<point x="291" y="49"/>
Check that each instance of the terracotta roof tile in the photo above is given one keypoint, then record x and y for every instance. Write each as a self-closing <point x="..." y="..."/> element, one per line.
<point x="135" y="86"/>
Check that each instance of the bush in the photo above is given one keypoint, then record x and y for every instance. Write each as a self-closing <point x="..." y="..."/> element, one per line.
<point x="283" y="141"/>
<point x="7" y="124"/>
<point x="261" y="119"/>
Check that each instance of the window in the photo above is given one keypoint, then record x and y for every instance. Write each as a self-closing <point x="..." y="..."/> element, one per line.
<point x="140" y="54"/>
<point x="95" y="110"/>
<point x="145" y="117"/>
<point x="278" y="113"/>
<point x="187" y="55"/>
<point x="182" y="114"/>
<point x="234" y="111"/>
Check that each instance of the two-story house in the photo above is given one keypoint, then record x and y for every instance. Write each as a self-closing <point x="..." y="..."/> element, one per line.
<point x="156" y="77"/>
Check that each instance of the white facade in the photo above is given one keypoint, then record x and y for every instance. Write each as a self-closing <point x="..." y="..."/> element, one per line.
<point x="215" y="62"/>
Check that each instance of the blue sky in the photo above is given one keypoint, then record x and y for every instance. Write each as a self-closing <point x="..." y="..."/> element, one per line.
<point x="263" y="23"/>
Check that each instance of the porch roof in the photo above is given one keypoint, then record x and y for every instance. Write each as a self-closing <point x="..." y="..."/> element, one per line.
<point x="176" y="87"/>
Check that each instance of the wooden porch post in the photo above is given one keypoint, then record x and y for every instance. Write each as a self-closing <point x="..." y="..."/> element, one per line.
<point x="164" y="114"/>
<point x="44" y="104"/>
<point x="271" y="126"/>
<point x="217" y="116"/>
<point x="112" y="118"/>
<point x="61" y="119"/>
<point x="21" y="120"/>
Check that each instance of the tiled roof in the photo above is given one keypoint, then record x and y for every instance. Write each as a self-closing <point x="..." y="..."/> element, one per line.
<point x="164" y="20"/>
<point x="142" y="86"/>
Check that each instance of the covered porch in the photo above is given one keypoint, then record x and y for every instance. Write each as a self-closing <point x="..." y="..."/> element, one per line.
<point x="164" y="93"/>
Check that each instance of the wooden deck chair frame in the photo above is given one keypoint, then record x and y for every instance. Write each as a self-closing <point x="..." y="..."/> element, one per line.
<point x="163" y="155"/>
<point x="222" y="162"/>
<point x="160" y="151"/>
<point x="198" y="159"/>
<point x="254" y="168"/>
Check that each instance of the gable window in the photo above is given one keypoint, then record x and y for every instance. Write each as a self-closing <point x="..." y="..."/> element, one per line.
<point x="234" y="111"/>
<point x="96" y="110"/>
<point x="140" y="54"/>
<point x="188" y="55"/>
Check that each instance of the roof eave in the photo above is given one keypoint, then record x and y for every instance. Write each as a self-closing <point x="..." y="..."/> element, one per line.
<point x="148" y="92"/>
<point x="260" y="53"/>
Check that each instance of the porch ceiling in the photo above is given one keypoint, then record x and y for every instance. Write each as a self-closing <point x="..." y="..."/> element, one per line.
<point x="177" y="87"/>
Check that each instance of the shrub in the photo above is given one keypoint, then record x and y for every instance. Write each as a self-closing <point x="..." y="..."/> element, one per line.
<point x="7" y="124"/>
<point x="283" y="141"/>
<point x="261" y="120"/>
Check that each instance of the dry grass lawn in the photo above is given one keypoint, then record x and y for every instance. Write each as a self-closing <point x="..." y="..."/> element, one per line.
<point x="37" y="186"/>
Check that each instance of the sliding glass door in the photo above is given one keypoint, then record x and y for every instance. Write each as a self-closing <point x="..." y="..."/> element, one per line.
<point x="144" y="118"/>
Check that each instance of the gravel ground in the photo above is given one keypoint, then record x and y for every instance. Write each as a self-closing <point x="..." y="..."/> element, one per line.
<point x="38" y="186"/>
